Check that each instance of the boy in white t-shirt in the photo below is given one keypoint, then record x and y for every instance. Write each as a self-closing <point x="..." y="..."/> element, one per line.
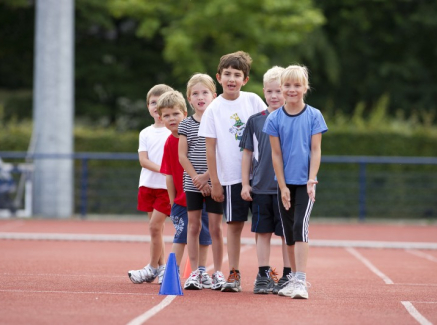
<point x="152" y="193"/>
<point x="222" y="125"/>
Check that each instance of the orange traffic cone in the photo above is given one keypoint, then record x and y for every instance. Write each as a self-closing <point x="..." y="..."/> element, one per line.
<point x="187" y="270"/>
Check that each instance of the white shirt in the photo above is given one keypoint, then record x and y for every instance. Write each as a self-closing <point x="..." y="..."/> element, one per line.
<point x="225" y="120"/>
<point x="152" y="140"/>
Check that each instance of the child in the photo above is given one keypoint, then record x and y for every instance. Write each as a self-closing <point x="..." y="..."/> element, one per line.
<point x="257" y="153"/>
<point x="192" y="155"/>
<point x="296" y="136"/>
<point x="152" y="192"/>
<point x="172" y="110"/>
<point x="222" y="125"/>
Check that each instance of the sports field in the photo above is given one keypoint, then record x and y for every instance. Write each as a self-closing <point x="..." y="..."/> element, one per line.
<point x="75" y="272"/>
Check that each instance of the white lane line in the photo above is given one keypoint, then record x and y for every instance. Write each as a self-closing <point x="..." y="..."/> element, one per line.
<point x="167" y="301"/>
<point x="76" y="292"/>
<point x="152" y="312"/>
<point x="422" y="254"/>
<point x="416" y="315"/>
<point x="367" y="263"/>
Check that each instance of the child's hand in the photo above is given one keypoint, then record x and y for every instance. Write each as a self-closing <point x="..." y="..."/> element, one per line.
<point x="217" y="193"/>
<point x="200" y="181"/>
<point x="285" y="197"/>
<point x="245" y="193"/>
<point x="206" y="190"/>
<point x="311" y="189"/>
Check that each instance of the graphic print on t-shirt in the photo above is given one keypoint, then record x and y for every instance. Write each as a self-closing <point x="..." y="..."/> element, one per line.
<point x="238" y="128"/>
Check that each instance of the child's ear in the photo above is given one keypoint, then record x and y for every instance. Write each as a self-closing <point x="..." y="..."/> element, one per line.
<point x="214" y="95"/>
<point x="245" y="81"/>
<point x="218" y="77"/>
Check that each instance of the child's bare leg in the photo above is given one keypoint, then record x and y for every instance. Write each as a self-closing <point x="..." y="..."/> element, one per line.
<point x="203" y="254"/>
<point x="162" y="258"/>
<point x="285" y="256"/>
<point x="234" y="243"/>
<point x="263" y="248"/>
<point x="194" y="227"/>
<point x="291" y="257"/>
<point x="156" y="224"/>
<point x="216" y="232"/>
<point x="301" y="256"/>
<point x="178" y="250"/>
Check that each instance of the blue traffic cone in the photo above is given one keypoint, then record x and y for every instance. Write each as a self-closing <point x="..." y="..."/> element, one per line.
<point x="171" y="284"/>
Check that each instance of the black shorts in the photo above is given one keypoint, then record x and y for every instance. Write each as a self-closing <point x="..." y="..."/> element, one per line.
<point x="265" y="214"/>
<point x="296" y="220"/>
<point x="195" y="202"/>
<point x="235" y="208"/>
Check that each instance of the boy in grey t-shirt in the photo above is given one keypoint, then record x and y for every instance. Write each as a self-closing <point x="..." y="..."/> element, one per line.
<point x="257" y="156"/>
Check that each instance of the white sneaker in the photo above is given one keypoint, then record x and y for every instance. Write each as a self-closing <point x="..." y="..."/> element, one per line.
<point x="146" y="274"/>
<point x="205" y="280"/>
<point x="300" y="290"/>
<point x="288" y="287"/>
<point x="160" y="272"/>
<point x="194" y="281"/>
<point x="218" y="280"/>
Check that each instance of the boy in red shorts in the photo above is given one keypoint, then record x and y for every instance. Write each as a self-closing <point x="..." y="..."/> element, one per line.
<point x="152" y="194"/>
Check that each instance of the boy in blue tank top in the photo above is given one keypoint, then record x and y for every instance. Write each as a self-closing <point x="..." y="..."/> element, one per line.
<point x="296" y="136"/>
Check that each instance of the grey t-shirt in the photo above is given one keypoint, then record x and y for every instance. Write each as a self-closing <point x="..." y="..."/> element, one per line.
<point x="255" y="140"/>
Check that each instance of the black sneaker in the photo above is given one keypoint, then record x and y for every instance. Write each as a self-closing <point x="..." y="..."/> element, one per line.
<point x="281" y="283"/>
<point x="262" y="285"/>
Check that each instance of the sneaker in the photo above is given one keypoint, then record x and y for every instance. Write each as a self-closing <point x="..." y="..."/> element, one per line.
<point x="281" y="284"/>
<point x="218" y="280"/>
<point x="262" y="284"/>
<point x="194" y="281"/>
<point x="161" y="271"/>
<point x="288" y="287"/>
<point x="273" y="277"/>
<point x="300" y="290"/>
<point x="205" y="280"/>
<point x="233" y="284"/>
<point x="146" y="274"/>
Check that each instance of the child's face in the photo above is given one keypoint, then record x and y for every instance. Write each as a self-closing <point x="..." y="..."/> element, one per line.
<point x="200" y="97"/>
<point x="231" y="80"/>
<point x="171" y="118"/>
<point x="293" y="91"/>
<point x="273" y="94"/>
<point x="152" y="106"/>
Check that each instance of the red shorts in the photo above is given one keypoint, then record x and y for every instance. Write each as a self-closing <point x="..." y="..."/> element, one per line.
<point x="150" y="199"/>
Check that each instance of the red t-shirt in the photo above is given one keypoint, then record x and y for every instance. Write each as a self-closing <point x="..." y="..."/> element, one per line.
<point x="171" y="166"/>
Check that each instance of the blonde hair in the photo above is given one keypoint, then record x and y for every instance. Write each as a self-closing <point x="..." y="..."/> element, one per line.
<point x="203" y="79"/>
<point x="172" y="99"/>
<point x="158" y="90"/>
<point x="273" y="74"/>
<point x="238" y="60"/>
<point x="296" y="73"/>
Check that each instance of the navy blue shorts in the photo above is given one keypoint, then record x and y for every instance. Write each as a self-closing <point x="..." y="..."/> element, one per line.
<point x="235" y="208"/>
<point x="179" y="216"/>
<point x="265" y="214"/>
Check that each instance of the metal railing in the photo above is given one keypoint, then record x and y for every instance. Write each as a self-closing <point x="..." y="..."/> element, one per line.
<point x="349" y="196"/>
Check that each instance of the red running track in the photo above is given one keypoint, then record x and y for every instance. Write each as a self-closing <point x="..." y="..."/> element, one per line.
<point x="85" y="282"/>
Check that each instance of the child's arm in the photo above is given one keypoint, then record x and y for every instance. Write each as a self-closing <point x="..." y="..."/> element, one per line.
<point x="170" y="188"/>
<point x="200" y="181"/>
<point x="217" y="189"/>
<point x="315" y="157"/>
<point x="145" y="162"/>
<point x="278" y="166"/>
<point x="246" y="164"/>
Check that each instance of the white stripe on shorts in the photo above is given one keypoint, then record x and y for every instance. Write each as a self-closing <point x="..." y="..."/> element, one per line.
<point x="306" y="220"/>
<point x="228" y="203"/>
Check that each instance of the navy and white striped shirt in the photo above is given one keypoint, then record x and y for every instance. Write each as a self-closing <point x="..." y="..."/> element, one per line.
<point x="196" y="150"/>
